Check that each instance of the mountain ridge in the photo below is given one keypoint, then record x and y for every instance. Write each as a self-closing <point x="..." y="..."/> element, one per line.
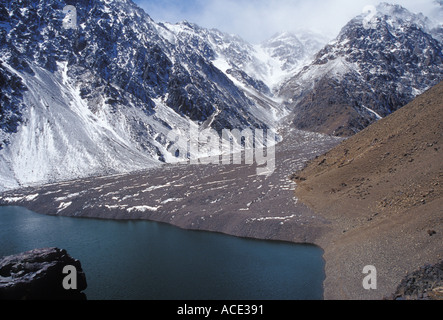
<point x="366" y="73"/>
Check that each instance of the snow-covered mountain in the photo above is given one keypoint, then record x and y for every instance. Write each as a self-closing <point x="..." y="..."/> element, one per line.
<point x="370" y="70"/>
<point x="104" y="97"/>
<point x="286" y="53"/>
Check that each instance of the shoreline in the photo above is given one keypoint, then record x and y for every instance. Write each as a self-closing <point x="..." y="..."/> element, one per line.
<point x="121" y="219"/>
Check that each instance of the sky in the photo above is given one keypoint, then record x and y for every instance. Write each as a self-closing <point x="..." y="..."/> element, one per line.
<point x="258" y="20"/>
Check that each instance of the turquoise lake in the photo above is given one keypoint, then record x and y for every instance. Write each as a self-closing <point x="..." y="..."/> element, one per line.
<point x="142" y="260"/>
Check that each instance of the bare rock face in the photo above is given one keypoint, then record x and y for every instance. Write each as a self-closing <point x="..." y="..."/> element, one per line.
<point x="42" y="274"/>
<point x="423" y="284"/>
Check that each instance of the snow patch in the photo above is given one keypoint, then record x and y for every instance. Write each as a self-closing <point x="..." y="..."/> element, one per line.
<point x="142" y="209"/>
<point x="171" y="200"/>
<point x="63" y="205"/>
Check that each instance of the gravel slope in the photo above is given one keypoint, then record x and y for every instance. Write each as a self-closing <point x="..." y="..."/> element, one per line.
<point x="382" y="192"/>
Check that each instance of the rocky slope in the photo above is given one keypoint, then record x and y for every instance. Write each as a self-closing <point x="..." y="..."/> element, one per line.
<point x="369" y="71"/>
<point x="382" y="191"/>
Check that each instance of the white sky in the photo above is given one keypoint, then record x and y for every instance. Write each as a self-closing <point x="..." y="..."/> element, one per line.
<point x="257" y="20"/>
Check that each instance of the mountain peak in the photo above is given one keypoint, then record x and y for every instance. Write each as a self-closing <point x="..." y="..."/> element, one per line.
<point x="392" y="9"/>
<point x="374" y="67"/>
<point x="293" y="49"/>
<point x="391" y="15"/>
<point x="283" y="36"/>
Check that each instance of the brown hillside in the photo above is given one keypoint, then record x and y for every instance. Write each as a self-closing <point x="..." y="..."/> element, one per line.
<point x="382" y="191"/>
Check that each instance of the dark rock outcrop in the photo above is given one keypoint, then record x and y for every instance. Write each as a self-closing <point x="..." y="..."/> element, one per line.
<point x="38" y="275"/>
<point x="423" y="284"/>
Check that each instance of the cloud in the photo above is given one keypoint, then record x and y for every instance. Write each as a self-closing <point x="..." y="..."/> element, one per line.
<point x="257" y="20"/>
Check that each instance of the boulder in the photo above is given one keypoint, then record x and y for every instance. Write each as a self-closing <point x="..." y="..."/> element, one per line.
<point x="40" y="274"/>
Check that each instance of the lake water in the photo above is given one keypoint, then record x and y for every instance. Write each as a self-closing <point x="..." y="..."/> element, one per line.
<point x="142" y="260"/>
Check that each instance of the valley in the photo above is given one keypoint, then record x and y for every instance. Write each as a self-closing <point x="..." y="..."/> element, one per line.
<point x="88" y="116"/>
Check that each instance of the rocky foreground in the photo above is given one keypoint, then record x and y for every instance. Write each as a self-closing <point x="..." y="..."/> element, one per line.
<point x="38" y="275"/>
